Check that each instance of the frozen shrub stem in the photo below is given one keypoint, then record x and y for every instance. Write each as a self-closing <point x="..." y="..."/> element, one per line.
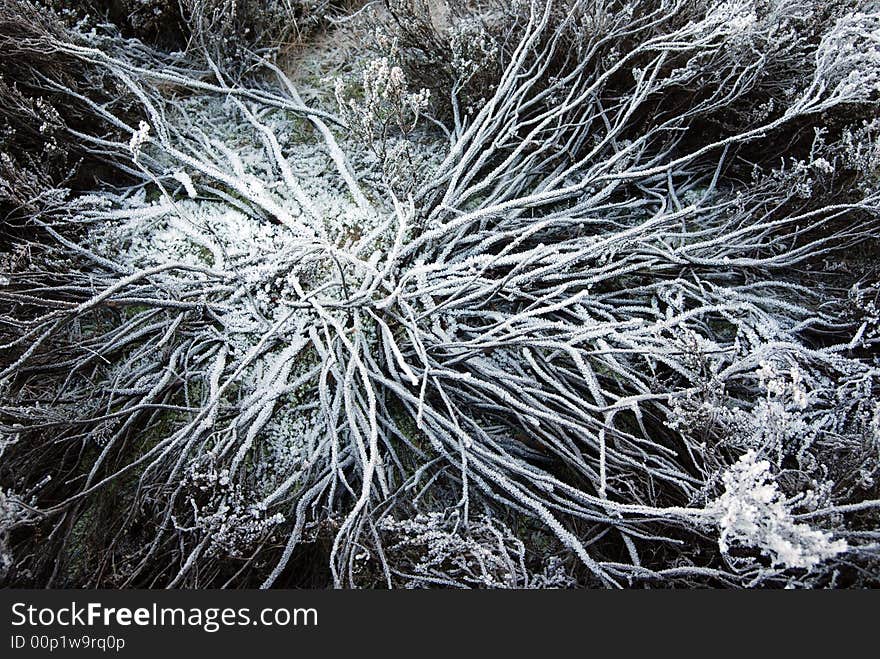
<point x="599" y="322"/>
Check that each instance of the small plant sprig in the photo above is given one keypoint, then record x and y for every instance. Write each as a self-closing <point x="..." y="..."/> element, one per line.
<point x="382" y="113"/>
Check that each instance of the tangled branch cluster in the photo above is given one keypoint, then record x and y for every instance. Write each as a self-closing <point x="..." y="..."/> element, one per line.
<point x="629" y="309"/>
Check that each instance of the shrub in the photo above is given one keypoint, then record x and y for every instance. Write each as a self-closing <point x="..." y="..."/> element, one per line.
<point x="605" y="311"/>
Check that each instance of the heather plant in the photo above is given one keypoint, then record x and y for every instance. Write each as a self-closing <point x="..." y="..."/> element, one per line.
<point x="40" y="153"/>
<point x="752" y="512"/>
<point x="383" y="115"/>
<point x="222" y="29"/>
<point x="439" y="548"/>
<point x="453" y="49"/>
<point x="603" y="309"/>
<point x="223" y="26"/>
